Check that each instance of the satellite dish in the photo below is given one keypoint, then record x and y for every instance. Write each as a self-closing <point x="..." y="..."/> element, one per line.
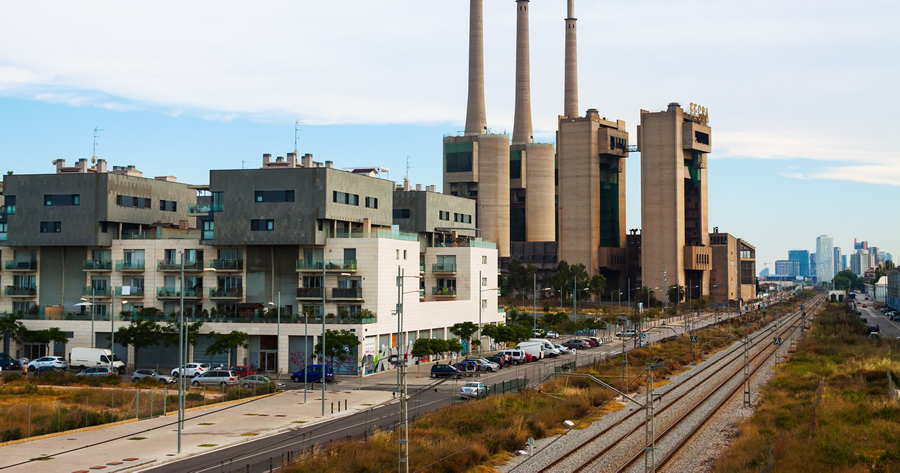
<point x="93" y="160"/>
<point x="54" y="162"/>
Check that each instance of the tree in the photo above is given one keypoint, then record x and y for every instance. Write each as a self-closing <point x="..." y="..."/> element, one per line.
<point x="675" y="293"/>
<point x="140" y="333"/>
<point x="46" y="336"/>
<point x="597" y="286"/>
<point x="465" y="331"/>
<point x="422" y="348"/>
<point x="226" y="343"/>
<point x="170" y="333"/>
<point x="338" y="343"/>
<point x="645" y="295"/>
<point x="12" y="328"/>
<point x="439" y="346"/>
<point x="490" y="331"/>
<point x="454" y="346"/>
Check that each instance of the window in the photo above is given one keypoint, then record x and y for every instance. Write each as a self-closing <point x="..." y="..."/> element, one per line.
<point x="274" y="196"/>
<point x="484" y="260"/>
<point x="404" y="254"/>
<point x="459" y="161"/>
<point x="134" y="202"/>
<point x="208" y="230"/>
<point x="50" y="227"/>
<point x="398" y="254"/>
<point x="260" y="225"/>
<point x="372" y="202"/>
<point x="345" y="198"/>
<point x="484" y="303"/>
<point x="2" y="232"/>
<point x="444" y="215"/>
<point x="62" y="199"/>
<point x="168" y="205"/>
<point x="515" y="168"/>
<point x="462" y="218"/>
<point x="483" y="282"/>
<point x="401" y="213"/>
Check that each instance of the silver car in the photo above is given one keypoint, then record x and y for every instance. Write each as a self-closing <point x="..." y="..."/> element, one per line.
<point x="254" y="380"/>
<point x="473" y="389"/>
<point x="215" y="378"/>
<point x="98" y="371"/>
<point x="138" y="374"/>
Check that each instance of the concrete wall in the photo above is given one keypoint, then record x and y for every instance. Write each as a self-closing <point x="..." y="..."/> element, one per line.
<point x="540" y="203"/>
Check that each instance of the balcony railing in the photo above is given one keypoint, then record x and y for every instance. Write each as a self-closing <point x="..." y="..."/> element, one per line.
<point x="226" y="292"/>
<point x="330" y="265"/>
<point x="227" y="264"/>
<point x="97" y="265"/>
<point x="21" y="265"/>
<point x="443" y="268"/>
<point x="7" y="209"/>
<point x="175" y="265"/>
<point x="171" y="293"/>
<point x="133" y="265"/>
<point x="95" y="291"/>
<point x="21" y="290"/>
<point x="199" y="208"/>
<point x="309" y="292"/>
<point x="132" y="291"/>
<point x="443" y="291"/>
<point x="465" y="244"/>
<point x="351" y="320"/>
<point x="347" y="293"/>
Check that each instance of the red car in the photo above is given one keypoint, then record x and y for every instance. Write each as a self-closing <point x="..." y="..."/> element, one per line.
<point x="591" y="342"/>
<point x="242" y="371"/>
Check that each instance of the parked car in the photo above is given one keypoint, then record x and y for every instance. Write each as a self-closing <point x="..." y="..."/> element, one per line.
<point x="254" y="380"/>
<point x="515" y="356"/>
<point x="313" y="373"/>
<point x="596" y="340"/>
<point x="552" y="334"/>
<point x="215" y="378"/>
<point x="8" y="363"/>
<point x="56" y="361"/>
<point x="577" y="344"/>
<point x="874" y="335"/>
<point x="467" y="366"/>
<point x="242" y="371"/>
<point x="495" y="359"/>
<point x="485" y="365"/>
<point x="863" y="320"/>
<point x="535" y="349"/>
<point x="873" y="328"/>
<point x="444" y="371"/>
<point x="473" y="389"/>
<point x="190" y="370"/>
<point x="627" y="333"/>
<point x="48" y="369"/>
<point x="139" y="374"/>
<point x="86" y="357"/>
<point x="98" y="371"/>
<point x="591" y="343"/>
<point x="562" y="349"/>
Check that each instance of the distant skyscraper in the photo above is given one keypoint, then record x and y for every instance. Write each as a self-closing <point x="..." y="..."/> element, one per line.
<point x="888" y="257"/>
<point x="860" y="262"/>
<point x="844" y="264"/>
<point x="862" y="245"/>
<point x="801" y="257"/>
<point x="812" y="266"/>
<point x="786" y="267"/>
<point x="824" y="258"/>
<point x="764" y="273"/>
<point x="837" y="260"/>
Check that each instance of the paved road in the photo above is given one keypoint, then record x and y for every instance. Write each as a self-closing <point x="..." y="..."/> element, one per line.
<point x="873" y="316"/>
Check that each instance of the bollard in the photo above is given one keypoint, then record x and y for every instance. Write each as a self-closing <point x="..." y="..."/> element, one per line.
<point x="339" y="406"/>
<point x="345" y="404"/>
<point x="332" y="408"/>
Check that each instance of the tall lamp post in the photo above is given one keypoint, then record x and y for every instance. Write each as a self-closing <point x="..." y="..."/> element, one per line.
<point x="277" y="327"/>
<point x="481" y="289"/>
<point x="85" y="303"/>
<point x="402" y="387"/>
<point x="182" y="348"/>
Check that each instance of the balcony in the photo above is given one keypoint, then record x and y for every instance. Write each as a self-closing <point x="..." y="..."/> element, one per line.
<point x="97" y="265"/>
<point x="203" y="209"/>
<point x="421" y="269"/>
<point x="7" y="209"/>
<point x="133" y="265"/>
<point x="444" y="292"/>
<point x="347" y="266"/>
<point x="443" y="268"/>
<point x="347" y="293"/>
<point x="421" y="295"/>
<point x="230" y="293"/>
<point x="21" y="291"/>
<point x="168" y="293"/>
<point x="175" y="265"/>
<point x="311" y="293"/>
<point x="21" y="265"/>
<point x="96" y="291"/>
<point x="130" y="292"/>
<point x="338" y="320"/>
<point x="227" y="264"/>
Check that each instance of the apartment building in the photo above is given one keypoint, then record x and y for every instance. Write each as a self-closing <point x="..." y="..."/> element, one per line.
<point x="733" y="274"/>
<point x="320" y="244"/>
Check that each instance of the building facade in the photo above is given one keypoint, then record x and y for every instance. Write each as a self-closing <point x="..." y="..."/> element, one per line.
<point x="801" y="257"/>
<point x="787" y="268"/>
<point x="824" y="259"/>
<point x="733" y="274"/>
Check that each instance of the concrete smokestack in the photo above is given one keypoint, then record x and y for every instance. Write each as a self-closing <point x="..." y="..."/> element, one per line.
<point x="571" y="96"/>
<point x="522" y="130"/>
<point x="476" y="120"/>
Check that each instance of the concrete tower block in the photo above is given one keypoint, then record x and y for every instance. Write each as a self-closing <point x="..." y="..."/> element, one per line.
<point x="540" y="221"/>
<point x="476" y="119"/>
<point x="522" y="129"/>
<point x="571" y="94"/>
<point x="493" y="190"/>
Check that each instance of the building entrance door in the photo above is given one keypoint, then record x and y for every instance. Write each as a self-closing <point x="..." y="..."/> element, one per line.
<point x="268" y="360"/>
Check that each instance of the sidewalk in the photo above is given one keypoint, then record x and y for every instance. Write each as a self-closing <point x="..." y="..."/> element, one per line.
<point x="205" y="430"/>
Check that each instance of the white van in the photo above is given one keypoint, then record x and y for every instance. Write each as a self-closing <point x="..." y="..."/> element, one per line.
<point x="535" y="349"/>
<point x="549" y="349"/>
<point x="87" y="357"/>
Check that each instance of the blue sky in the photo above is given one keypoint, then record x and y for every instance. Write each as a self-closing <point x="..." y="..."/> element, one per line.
<point x="802" y="97"/>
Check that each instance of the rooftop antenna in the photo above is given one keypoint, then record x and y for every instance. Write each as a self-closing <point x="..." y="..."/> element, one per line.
<point x="408" y="167"/>
<point x="94" y="153"/>
<point x="296" y="134"/>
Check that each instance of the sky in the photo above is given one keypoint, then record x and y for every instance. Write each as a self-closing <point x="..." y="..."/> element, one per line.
<point x="802" y="96"/>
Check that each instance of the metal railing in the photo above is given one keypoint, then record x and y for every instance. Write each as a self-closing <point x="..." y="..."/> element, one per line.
<point x="174" y="265"/>
<point x="123" y="265"/>
<point x="21" y="290"/>
<point x="309" y="292"/>
<point x="443" y="268"/>
<point x="95" y="291"/>
<point x="133" y="291"/>
<point x="167" y="292"/>
<point x="227" y="264"/>
<point x="330" y="265"/>
<point x="98" y="265"/>
<point x="346" y="293"/>
<point x="443" y="291"/>
<point x="226" y="292"/>
<point x="7" y="209"/>
<point x="21" y="264"/>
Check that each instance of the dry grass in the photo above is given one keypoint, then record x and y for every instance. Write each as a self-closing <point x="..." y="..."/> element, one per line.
<point x="856" y="426"/>
<point x="477" y="435"/>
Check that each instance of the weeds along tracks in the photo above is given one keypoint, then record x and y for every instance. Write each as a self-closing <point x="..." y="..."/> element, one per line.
<point x="687" y="425"/>
<point x="570" y="460"/>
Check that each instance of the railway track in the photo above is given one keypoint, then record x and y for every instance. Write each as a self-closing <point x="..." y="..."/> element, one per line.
<point x="680" y="404"/>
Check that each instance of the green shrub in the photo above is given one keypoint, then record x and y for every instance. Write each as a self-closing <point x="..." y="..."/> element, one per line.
<point x="147" y="382"/>
<point x="8" y="435"/>
<point x="12" y="378"/>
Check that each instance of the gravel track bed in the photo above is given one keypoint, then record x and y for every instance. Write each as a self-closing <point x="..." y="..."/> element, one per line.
<point x="549" y="449"/>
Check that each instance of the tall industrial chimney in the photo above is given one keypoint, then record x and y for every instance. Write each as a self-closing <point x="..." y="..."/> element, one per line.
<point x="522" y="130"/>
<point x="476" y="120"/>
<point x="571" y="96"/>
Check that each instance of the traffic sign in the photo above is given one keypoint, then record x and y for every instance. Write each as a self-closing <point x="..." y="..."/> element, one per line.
<point x="778" y="340"/>
<point x="693" y="339"/>
<point x="643" y="335"/>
